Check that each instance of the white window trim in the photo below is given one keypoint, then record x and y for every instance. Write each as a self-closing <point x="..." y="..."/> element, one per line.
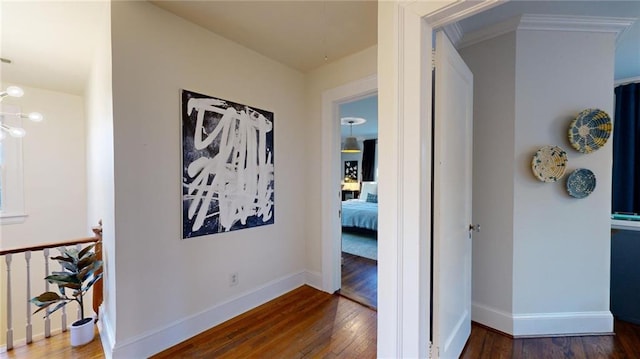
<point x="12" y="211"/>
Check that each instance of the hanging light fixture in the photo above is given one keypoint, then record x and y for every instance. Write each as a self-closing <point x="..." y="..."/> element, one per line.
<point x="351" y="143"/>
<point x="15" y="91"/>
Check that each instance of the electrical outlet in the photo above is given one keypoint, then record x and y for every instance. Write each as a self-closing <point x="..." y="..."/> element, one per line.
<point x="233" y="279"/>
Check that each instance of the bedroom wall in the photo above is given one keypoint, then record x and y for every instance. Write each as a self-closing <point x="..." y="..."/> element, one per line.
<point x="543" y="268"/>
<point x="170" y="289"/>
<point x="354" y="67"/>
<point x="493" y="63"/>
<point x="358" y="157"/>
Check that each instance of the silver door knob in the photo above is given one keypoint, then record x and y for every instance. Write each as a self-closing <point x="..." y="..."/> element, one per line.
<point x="474" y="228"/>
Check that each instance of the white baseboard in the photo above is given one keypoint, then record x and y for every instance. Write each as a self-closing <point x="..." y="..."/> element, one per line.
<point x="106" y="332"/>
<point x="492" y="318"/>
<point x="543" y="324"/>
<point x="314" y="279"/>
<point x="570" y="323"/>
<point x="155" y="341"/>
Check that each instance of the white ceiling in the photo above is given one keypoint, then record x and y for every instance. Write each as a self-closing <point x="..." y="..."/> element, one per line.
<point x="51" y="43"/>
<point x="297" y="33"/>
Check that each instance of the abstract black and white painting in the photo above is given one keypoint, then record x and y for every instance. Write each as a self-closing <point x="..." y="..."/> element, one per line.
<point x="227" y="166"/>
<point x="351" y="171"/>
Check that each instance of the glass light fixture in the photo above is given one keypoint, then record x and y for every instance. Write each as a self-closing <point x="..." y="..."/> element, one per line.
<point x="15" y="91"/>
<point x="13" y="131"/>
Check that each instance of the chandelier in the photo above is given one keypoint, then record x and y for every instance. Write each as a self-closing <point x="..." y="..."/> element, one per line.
<point x="15" y="91"/>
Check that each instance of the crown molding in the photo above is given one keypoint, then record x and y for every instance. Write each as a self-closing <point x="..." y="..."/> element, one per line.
<point x="626" y="81"/>
<point x="489" y="32"/>
<point x="454" y="33"/>
<point x="535" y="22"/>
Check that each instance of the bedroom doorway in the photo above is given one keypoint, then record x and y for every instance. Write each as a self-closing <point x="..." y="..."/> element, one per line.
<point x="332" y="170"/>
<point x="359" y="205"/>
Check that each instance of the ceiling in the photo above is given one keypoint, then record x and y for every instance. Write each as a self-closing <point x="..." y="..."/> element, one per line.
<point x="51" y="43"/>
<point x="297" y="33"/>
<point x="366" y="108"/>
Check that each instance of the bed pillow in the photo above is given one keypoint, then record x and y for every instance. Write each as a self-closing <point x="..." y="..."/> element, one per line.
<point x="373" y="198"/>
<point x="368" y="187"/>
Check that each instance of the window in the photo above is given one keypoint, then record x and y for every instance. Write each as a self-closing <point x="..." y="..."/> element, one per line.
<point x="11" y="185"/>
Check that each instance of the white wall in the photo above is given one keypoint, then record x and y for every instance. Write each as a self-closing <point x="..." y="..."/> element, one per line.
<point x="541" y="261"/>
<point x="100" y="167"/>
<point x="354" y="67"/>
<point x="55" y="194"/>
<point x="493" y="63"/>
<point x="561" y="244"/>
<point x="166" y="285"/>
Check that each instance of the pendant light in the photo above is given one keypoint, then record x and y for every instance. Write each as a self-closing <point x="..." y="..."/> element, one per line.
<point x="351" y="143"/>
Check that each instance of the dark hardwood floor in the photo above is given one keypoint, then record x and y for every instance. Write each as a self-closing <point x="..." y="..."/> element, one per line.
<point x="489" y="344"/>
<point x="360" y="280"/>
<point x="304" y="323"/>
<point x="307" y="323"/>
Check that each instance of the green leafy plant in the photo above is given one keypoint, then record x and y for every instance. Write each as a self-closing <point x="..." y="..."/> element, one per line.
<point x="78" y="267"/>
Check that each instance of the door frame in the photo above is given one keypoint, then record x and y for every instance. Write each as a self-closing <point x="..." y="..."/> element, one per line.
<point x="331" y="193"/>
<point x="404" y="127"/>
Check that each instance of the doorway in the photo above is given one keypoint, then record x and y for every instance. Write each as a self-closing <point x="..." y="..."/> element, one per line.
<point x="359" y="206"/>
<point x="333" y="172"/>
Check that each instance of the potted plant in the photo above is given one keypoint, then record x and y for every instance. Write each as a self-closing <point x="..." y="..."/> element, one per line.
<point x="78" y="275"/>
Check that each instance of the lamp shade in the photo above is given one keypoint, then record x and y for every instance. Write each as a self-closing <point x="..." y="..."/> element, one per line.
<point x="351" y="145"/>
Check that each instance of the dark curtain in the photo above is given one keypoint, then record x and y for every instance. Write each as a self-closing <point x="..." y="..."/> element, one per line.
<point x="626" y="150"/>
<point x="369" y="160"/>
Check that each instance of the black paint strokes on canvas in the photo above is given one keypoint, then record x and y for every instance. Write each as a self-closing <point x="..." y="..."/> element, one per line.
<point x="227" y="166"/>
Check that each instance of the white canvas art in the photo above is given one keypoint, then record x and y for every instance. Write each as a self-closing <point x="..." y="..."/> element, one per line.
<point x="227" y="166"/>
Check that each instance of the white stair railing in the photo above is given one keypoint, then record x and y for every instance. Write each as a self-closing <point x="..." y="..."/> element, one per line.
<point x="27" y="252"/>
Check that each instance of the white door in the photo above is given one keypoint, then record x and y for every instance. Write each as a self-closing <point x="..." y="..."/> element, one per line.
<point x="452" y="200"/>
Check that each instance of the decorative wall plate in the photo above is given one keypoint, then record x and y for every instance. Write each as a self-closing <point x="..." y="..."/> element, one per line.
<point x="581" y="183"/>
<point x="590" y="130"/>
<point x="549" y="163"/>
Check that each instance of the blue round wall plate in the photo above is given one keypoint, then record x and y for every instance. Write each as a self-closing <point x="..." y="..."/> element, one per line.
<point x="581" y="183"/>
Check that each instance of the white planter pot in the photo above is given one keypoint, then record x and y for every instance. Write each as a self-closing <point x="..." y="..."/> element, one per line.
<point x="82" y="333"/>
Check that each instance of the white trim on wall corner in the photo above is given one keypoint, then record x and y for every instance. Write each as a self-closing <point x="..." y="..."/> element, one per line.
<point x="543" y="324"/>
<point x="154" y="341"/>
<point x="314" y="279"/>
<point x="628" y="80"/>
<point x="106" y="332"/>
<point x="492" y="318"/>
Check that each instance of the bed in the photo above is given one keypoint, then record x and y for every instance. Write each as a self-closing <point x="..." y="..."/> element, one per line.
<point x="362" y="213"/>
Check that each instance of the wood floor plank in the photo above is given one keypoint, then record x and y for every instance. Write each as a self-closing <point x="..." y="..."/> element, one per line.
<point x="485" y="343"/>
<point x="57" y="346"/>
<point x="307" y="323"/>
<point x="360" y="279"/>
<point x="304" y="323"/>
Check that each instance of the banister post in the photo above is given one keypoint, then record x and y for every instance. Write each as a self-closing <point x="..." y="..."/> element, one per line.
<point x="63" y="317"/>
<point x="28" y="329"/>
<point x="47" y="320"/>
<point x="9" y="317"/>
